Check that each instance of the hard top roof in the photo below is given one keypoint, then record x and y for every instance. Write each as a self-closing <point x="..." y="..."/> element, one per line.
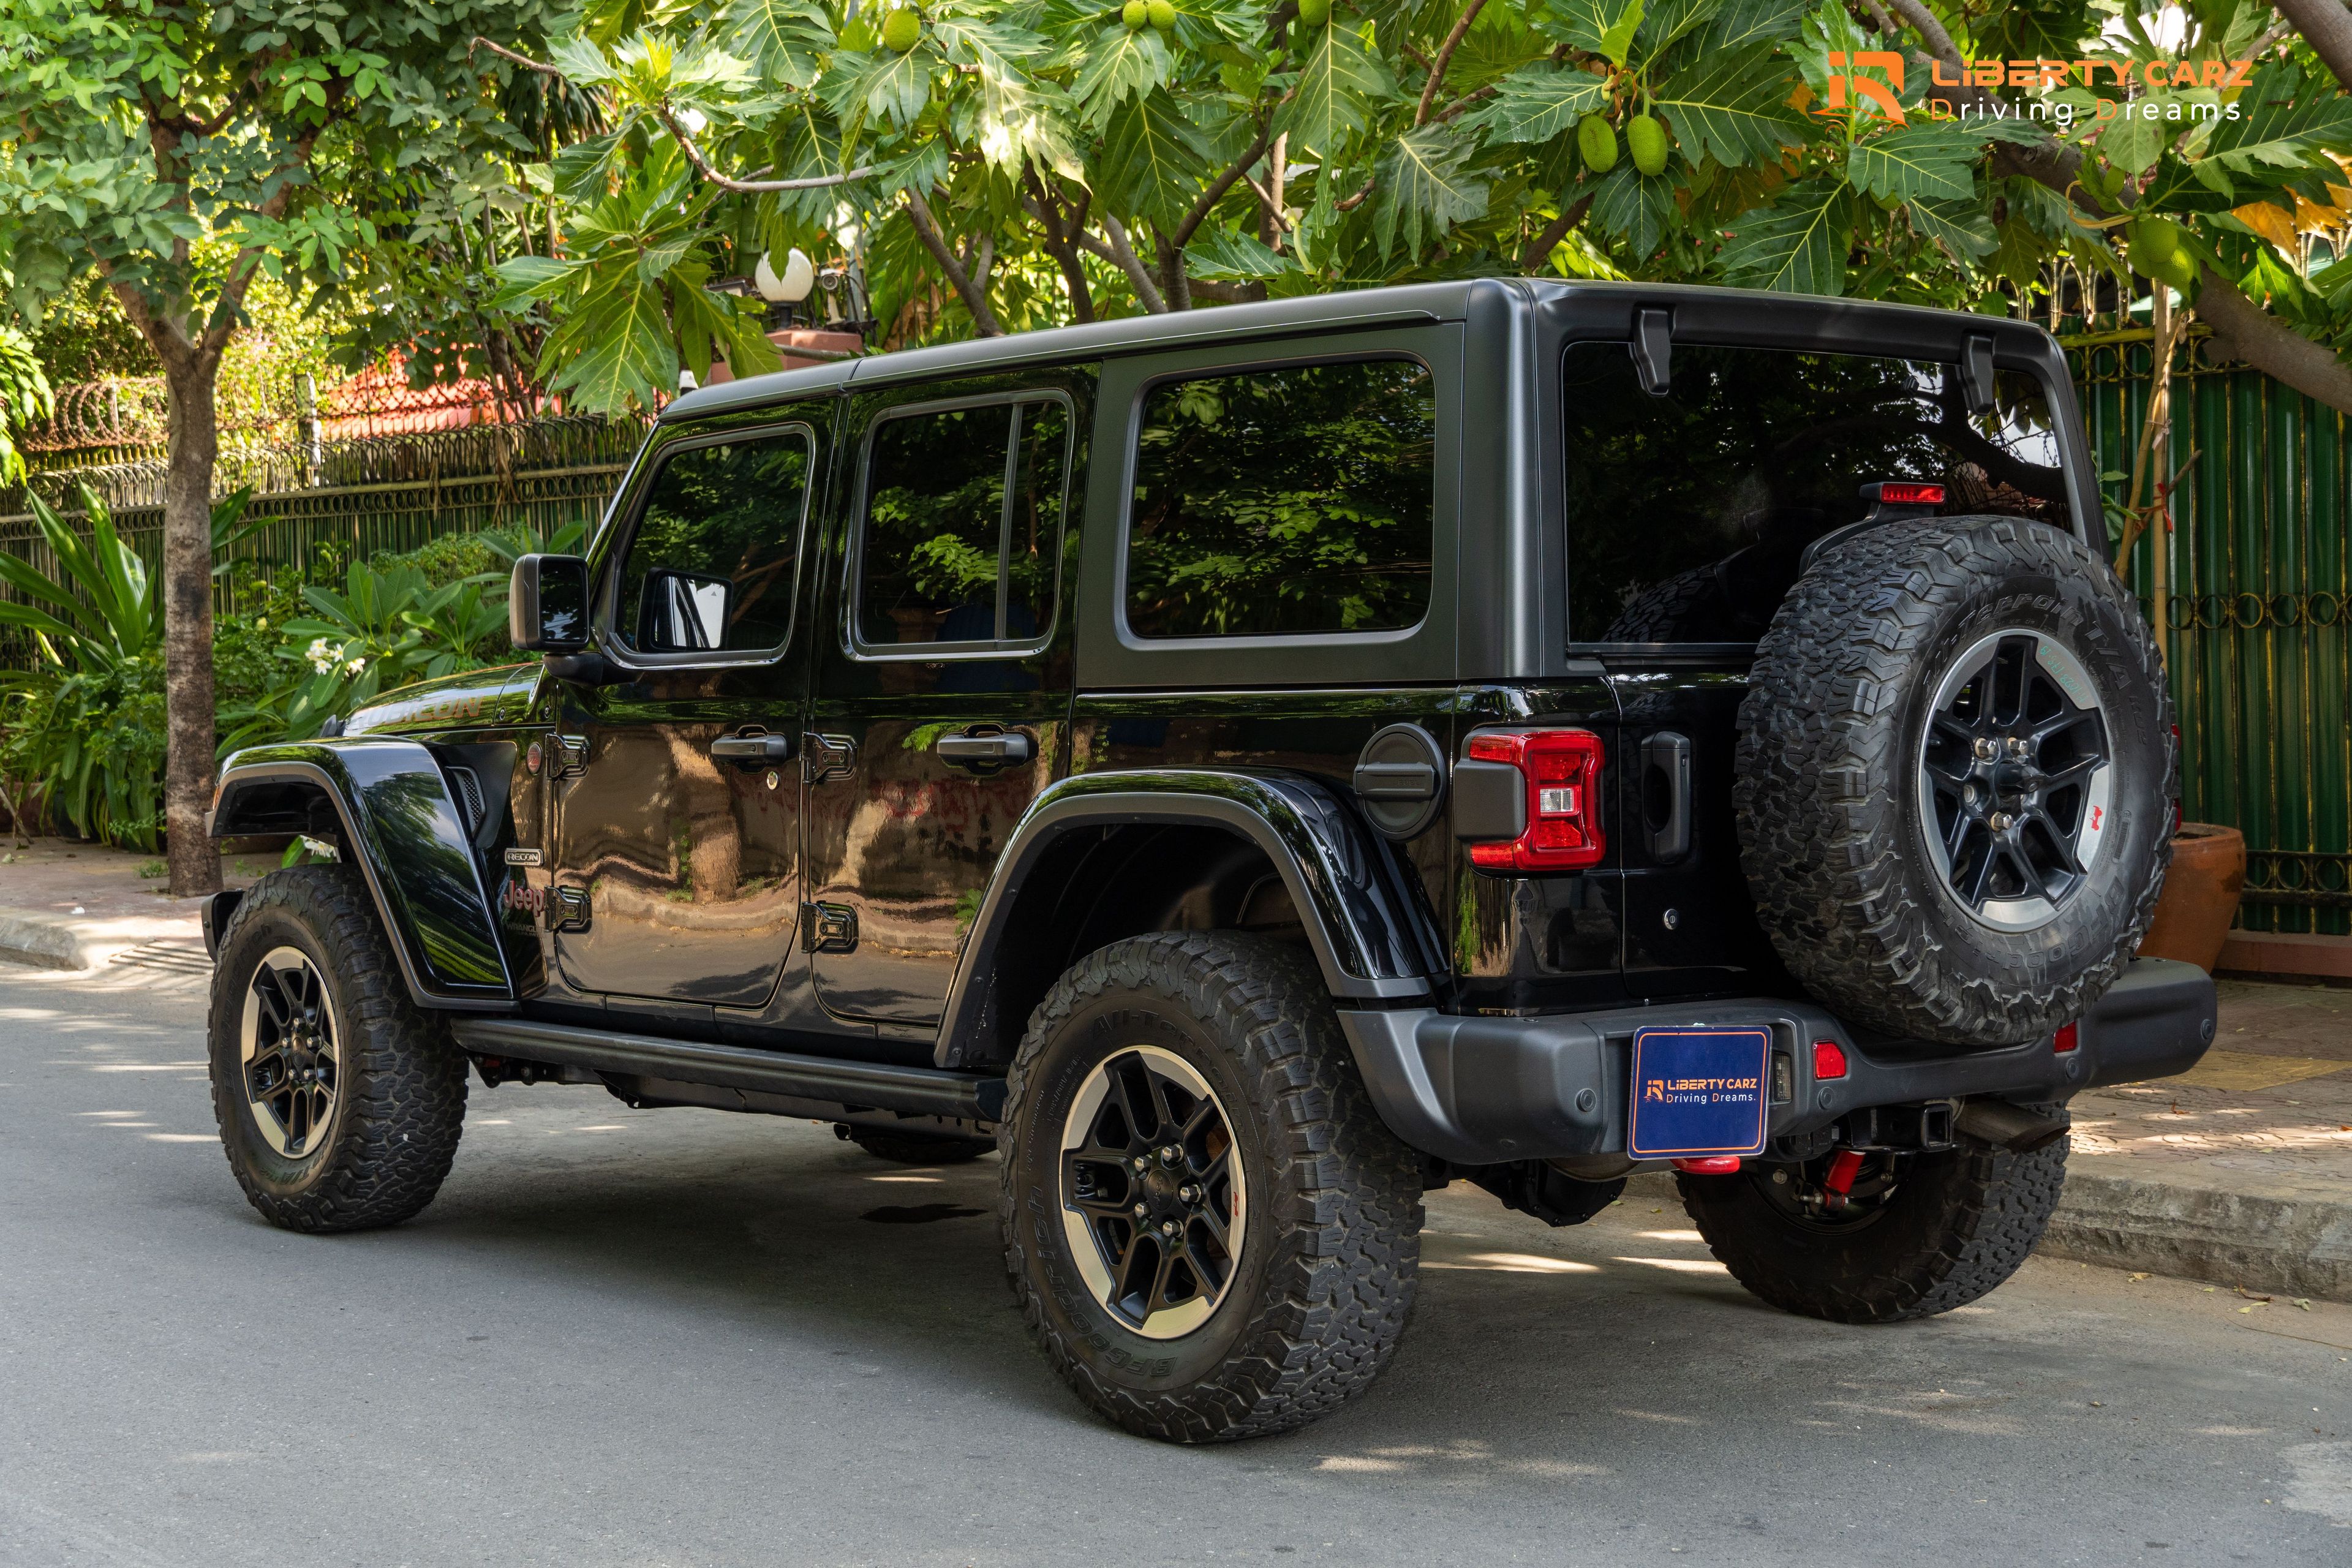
<point x="1395" y="305"/>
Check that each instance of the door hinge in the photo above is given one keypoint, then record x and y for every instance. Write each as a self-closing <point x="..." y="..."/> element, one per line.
<point x="828" y="928"/>
<point x="826" y="757"/>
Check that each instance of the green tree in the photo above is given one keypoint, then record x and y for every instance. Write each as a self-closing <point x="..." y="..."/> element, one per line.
<point x="180" y="151"/>
<point x="1060" y="160"/>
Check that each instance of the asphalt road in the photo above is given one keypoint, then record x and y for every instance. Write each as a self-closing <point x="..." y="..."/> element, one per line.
<point x="683" y="1338"/>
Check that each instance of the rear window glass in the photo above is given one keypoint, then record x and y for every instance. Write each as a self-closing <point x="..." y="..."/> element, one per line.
<point x="1284" y="502"/>
<point x="1686" y="513"/>
<point x="952" y="553"/>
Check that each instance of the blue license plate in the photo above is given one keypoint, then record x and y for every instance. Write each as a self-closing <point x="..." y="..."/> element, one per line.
<point x="1698" y="1091"/>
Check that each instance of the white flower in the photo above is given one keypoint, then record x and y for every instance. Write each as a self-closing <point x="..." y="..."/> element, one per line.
<point x="354" y="665"/>
<point x="321" y="655"/>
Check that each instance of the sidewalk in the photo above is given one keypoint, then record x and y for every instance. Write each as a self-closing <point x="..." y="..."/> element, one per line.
<point x="2238" y="1173"/>
<point x="78" y="906"/>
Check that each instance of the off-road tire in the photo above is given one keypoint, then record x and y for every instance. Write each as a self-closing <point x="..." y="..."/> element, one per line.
<point x="919" y="1148"/>
<point x="1958" y="1224"/>
<point x="402" y="1096"/>
<point x="1826" y="786"/>
<point x="1331" y="1252"/>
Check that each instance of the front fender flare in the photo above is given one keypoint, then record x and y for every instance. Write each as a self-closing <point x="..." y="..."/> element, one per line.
<point x="401" y="826"/>
<point x="1370" y="937"/>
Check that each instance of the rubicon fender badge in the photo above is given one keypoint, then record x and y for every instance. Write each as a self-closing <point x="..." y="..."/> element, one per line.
<point x="522" y="857"/>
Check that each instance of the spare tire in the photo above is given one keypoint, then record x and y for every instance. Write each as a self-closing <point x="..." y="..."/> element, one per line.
<point x="1955" y="779"/>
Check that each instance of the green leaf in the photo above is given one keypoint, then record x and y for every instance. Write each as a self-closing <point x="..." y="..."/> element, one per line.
<point x="1152" y="161"/>
<point x="2285" y="126"/>
<point x="1743" y="22"/>
<point x="1338" y="87"/>
<point x="1119" y="66"/>
<point x="625" y="359"/>
<point x="1926" y="161"/>
<point x="1962" y="228"/>
<point x="1220" y="254"/>
<point x="1602" y="27"/>
<point x="1798" y="245"/>
<point x="528" y="277"/>
<point x="1733" y="106"/>
<point x="780" y="38"/>
<point x="1538" y="103"/>
<point x="1637" y="207"/>
<point x="1422" y="190"/>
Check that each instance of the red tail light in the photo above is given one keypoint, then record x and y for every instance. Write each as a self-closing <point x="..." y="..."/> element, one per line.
<point x="1562" y="770"/>
<point x="2068" y="1038"/>
<point x="1900" y="492"/>
<point x="1829" y="1061"/>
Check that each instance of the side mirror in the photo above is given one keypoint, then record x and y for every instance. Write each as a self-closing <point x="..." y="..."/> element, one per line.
<point x="547" y="603"/>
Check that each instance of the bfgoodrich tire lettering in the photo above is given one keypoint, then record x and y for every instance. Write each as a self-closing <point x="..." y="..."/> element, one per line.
<point x="399" y="1097"/>
<point x="1327" y="1265"/>
<point x="1834" y="824"/>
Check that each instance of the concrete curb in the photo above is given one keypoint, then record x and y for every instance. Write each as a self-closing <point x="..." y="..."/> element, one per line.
<point x="2289" y="1238"/>
<point x="51" y="941"/>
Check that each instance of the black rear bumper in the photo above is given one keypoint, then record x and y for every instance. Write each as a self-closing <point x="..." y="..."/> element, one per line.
<point x="1478" y="1092"/>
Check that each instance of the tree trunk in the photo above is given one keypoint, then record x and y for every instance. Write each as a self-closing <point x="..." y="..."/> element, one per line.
<point x="195" y="445"/>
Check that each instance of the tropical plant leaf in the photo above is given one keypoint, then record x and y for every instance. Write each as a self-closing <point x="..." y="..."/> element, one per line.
<point x="1797" y="245"/>
<point x="1733" y="106"/>
<point x="1538" y="103"/>
<point x="1634" y="205"/>
<point x="1422" y="189"/>
<point x="1119" y="65"/>
<point x="1926" y="161"/>
<point x="779" y="38"/>
<point x="1338" y="87"/>
<point x="621" y="356"/>
<point x="1740" y="23"/>
<point x="1151" y="159"/>
<point x="1961" y="228"/>
<point x="1604" y="27"/>
<point x="1219" y="254"/>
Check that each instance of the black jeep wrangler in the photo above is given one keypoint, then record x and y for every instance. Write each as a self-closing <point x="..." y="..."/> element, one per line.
<point x="1248" y="767"/>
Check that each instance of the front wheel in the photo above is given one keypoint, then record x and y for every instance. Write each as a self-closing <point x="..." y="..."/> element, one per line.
<point x="1881" y="1235"/>
<point x="340" y="1104"/>
<point x="1210" y="1231"/>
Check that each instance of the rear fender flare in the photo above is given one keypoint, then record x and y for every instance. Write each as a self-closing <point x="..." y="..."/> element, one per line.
<point x="1371" y="938"/>
<point x="402" y="829"/>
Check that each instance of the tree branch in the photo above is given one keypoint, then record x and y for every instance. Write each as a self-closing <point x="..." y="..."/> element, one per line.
<point x="1444" y="57"/>
<point x="974" y="300"/>
<point x="479" y="42"/>
<point x="1554" y="232"/>
<point x="749" y="187"/>
<point x="2327" y="26"/>
<point x="1218" y="187"/>
<point x="1121" y="254"/>
<point x="2244" y="330"/>
<point x="1172" y="281"/>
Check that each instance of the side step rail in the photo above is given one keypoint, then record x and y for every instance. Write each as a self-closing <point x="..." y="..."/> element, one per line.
<point x="927" y="1092"/>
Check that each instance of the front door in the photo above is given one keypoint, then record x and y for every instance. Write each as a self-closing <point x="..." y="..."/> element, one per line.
<point x="940" y="708"/>
<point x="674" y="834"/>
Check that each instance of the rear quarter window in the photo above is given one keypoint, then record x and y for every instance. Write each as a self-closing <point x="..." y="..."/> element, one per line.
<point x="1288" y="501"/>
<point x="1686" y="513"/>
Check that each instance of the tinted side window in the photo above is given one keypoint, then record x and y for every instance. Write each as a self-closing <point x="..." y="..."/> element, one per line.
<point x="1686" y="513"/>
<point x="951" y="553"/>
<point x="1284" y="502"/>
<point x="716" y="553"/>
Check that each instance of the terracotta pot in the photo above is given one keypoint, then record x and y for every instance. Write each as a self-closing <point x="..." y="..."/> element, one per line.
<point x="2200" y="895"/>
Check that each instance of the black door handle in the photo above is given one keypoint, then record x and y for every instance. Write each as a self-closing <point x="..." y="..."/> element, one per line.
<point x="751" y="750"/>
<point x="1666" y="795"/>
<point x="985" y="751"/>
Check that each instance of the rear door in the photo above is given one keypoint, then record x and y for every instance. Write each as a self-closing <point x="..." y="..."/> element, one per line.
<point x="1688" y="514"/>
<point x="941" y="696"/>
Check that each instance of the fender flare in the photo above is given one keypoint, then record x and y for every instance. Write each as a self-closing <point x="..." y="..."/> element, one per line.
<point x="1371" y="936"/>
<point x="401" y="826"/>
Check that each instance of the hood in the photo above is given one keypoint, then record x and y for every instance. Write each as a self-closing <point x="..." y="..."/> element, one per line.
<point x="475" y="699"/>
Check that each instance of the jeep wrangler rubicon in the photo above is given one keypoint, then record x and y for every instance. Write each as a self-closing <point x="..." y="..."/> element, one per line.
<point x="1252" y="766"/>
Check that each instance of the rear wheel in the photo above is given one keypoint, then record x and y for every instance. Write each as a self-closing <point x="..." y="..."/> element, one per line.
<point x="339" y="1103"/>
<point x="1881" y="1235"/>
<point x="1210" y="1231"/>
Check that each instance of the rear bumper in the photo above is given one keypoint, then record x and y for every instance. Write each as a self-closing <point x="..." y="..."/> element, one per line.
<point x="1479" y="1091"/>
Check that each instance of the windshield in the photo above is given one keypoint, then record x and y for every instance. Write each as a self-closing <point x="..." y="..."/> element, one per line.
<point x="1686" y="513"/>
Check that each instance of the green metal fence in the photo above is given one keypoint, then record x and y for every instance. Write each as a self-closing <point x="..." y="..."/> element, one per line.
<point x="2254" y="614"/>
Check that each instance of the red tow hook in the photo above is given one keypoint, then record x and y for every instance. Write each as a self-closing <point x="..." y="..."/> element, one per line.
<point x="1710" y="1165"/>
<point x="1844" y="1166"/>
